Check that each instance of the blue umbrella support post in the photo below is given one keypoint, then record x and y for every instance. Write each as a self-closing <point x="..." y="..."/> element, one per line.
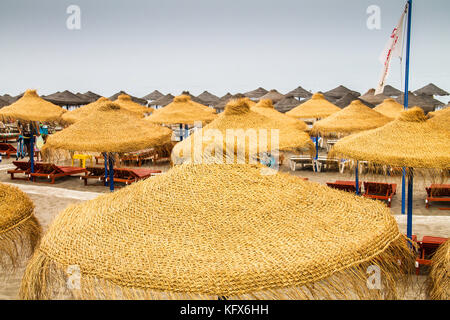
<point x="316" y="142"/>
<point x="31" y="151"/>
<point x="186" y="131"/>
<point x="105" y="156"/>
<point x="357" y="178"/>
<point x="410" y="202"/>
<point x="181" y="132"/>
<point x="111" y="172"/>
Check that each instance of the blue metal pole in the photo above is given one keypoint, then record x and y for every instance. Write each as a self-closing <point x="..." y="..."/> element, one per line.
<point x="186" y="131"/>
<point x="317" y="152"/>
<point x="357" y="178"/>
<point x="410" y="203"/>
<point x="106" y="168"/>
<point x="111" y="173"/>
<point x="181" y="132"/>
<point x="31" y="151"/>
<point x="403" y="190"/>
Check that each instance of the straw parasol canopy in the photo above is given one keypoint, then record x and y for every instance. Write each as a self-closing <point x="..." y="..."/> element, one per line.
<point x="209" y="98"/>
<point x="441" y="118"/>
<point x="155" y="95"/>
<point x="408" y="141"/>
<point x="246" y="236"/>
<point x="9" y="98"/>
<point x="390" y="91"/>
<point x="266" y="108"/>
<point x="256" y="94"/>
<point x="373" y="99"/>
<point x="92" y="95"/>
<point x="286" y="104"/>
<point x="427" y="103"/>
<point x="340" y="91"/>
<point x="431" y="90"/>
<point x="390" y="108"/>
<point x="3" y="103"/>
<point x="135" y="99"/>
<point x="31" y="107"/>
<point x="66" y="98"/>
<point x="354" y="118"/>
<point x="439" y="282"/>
<point x="183" y="111"/>
<point x="85" y="111"/>
<point x="163" y="101"/>
<point x="252" y="127"/>
<point x="299" y="93"/>
<point x="125" y="102"/>
<point x="317" y="107"/>
<point x="109" y="128"/>
<point x="273" y="95"/>
<point x="88" y="99"/>
<point x="226" y="97"/>
<point x="221" y="105"/>
<point x="20" y="231"/>
<point x="349" y="98"/>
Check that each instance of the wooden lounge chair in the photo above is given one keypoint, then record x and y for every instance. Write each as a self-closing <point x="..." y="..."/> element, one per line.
<point x="52" y="171"/>
<point x="128" y="176"/>
<point x="139" y="156"/>
<point x="325" y="163"/>
<point x="9" y="137"/>
<point x="427" y="248"/>
<point x="380" y="191"/>
<point x="96" y="173"/>
<point x="7" y="149"/>
<point x="348" y="186"/>
<point x="303" y="161"/>
<point x="437" y="193"/>
<point x="23" y="167"/>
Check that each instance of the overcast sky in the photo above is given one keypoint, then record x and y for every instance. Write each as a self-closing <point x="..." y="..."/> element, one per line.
<point x="215" y="45"/>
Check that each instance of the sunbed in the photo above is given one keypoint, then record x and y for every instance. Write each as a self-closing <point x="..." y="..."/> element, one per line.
<point x="427" y="248"/>
<point x="380" y="191"/>
<point x="349" y="186"/>
<point x="303" y="161"/>
<point x="7" y="149"/>
<point x="23" y="167"/>
<point x="437" y="193"/>
<point x="52" y="171"/>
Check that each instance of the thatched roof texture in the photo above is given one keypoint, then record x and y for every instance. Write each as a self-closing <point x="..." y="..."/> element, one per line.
<point x="346" y="100"/>
<point x="317" y="107"/>
<point x="390" y="108"/>
<point x="431" y="90"/>
<point x="66" y="98"/>
<point x="109" y="128"/>
<point x="125" y="102"/>
<point x="439" y="282"/>
<point x="20" y="231"/>
<point x="85" y="111"/>
<point x="273" y="95"/>
<point x="299" y="93"/>
<point x="339" y="92"/>
<point x="31" y="107"/>
<point x="163" y="101"/>
<point x="408" y="141"/>
<point x="135" y="99"/>
<point x="256" y="94"/>
<point x="155" y="95"/>
<point x="209" y="98"/>
<point x="354" y="118"/>
<point x="390" y="91"/>
<point x="183" y="111"/>
<point x="373" y="99"/>
<point x="246" y="236"/>
<point x="286" y="104"/>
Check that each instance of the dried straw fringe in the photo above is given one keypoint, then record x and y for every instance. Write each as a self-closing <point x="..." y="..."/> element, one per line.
<point x="439" y="279"/>
<point x="18" y="242"/>
<point x="46" y="279"/>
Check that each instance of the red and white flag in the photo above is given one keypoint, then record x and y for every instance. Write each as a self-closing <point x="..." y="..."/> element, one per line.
<point x="394" y="48"/>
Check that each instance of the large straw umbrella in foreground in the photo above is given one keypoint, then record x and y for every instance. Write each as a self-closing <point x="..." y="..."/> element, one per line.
<point x="245" y="236"/>
<point x="20" y="231"/>
<point x="32" y="108"/>
<point x="439" y="282"/>
<point x="245" y="134"/>
<point x="181" y="111"/>
<point x="109" y="129"/>
<point x="409" y="141"/>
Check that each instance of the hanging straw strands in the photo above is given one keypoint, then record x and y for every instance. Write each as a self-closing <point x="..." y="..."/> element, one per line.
<point x="109" y="128"/>
<point x="315" y="108"/>
<point x="31" y="107"/>
<point x="240" y="135"/>
<point x="246" y="236"/>
<point x="125" y="102"/>
<point x="354" y="118"/>
<point x="439" y="281"/>
<point x="408" y="141"/>
<point x="390" y="108"/>
<point x="183" y="111"/>
<point x="19" y="229"/>
<point x="441" y="118"/>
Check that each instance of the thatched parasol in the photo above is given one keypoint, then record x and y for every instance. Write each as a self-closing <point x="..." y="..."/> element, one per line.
<point x="226" y="97"/>
<point x="163" y="101"/>
<point x="273" y="95"/>
<point x="237" y="131"/>
<point x="286" y="104"/>
<point x="84" y="97"/>
<point x="317" y="107"/>
<point x="31" y="107"/>
<point x="66" y="98"/>
<point x="3" y="103"/>
<point x="339" y="92"/>
<point x="92" y="95"/>
<point x="209" y="98"/>
<point x="427" y="103"/>
<point x="346" y="100"/>
<point x="20" y="231"/>
<point x="354" y="118"/>
<point x="246" y="236"/>
<point x="135" y="99"/>
<point x="125" y="102"/>
<point x="182" y="111"/>
<point x="9" y="98"/>
<point x="373" y="99"/>
<point x="441" y="118"/>
<point x="256" y="94"/>
<point x="299" y="93"/>
<point x="439" y="283"/>
<point x="390" y="91"/>
<point x="431" y="90"/>
<point x="155" y="95"/>
<point x="390" y="108"/>
<point x="85" y="111"/>
<point x="221" y="105"/>
<point x="266" y="108"/>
